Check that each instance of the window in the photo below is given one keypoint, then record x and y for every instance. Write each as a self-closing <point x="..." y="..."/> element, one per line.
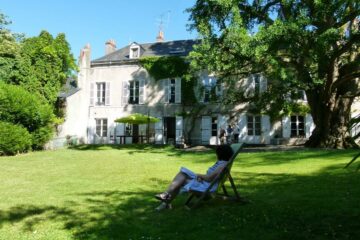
<point x="128" y="129"/>
<point x="172" y="90"/>
<point x="214" y="126"/>
<point x="100" y="93"/>
<point x="101" y="127"/>
<point x="297" y="126"/>
<point x="134" y="92"/>
<point x="134" y="51"/>
<point x="254" y="125"/>
<point x="257" y="84"/>
<point x="210" y="86"/>
<point x="298" y="95"/>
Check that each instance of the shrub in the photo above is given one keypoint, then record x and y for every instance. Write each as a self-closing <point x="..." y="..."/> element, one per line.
<point x="13" y="139"/>
<point x="20" y="107"/>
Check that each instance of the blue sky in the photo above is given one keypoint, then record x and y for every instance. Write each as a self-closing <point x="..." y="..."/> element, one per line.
<point x="95" y="21"/>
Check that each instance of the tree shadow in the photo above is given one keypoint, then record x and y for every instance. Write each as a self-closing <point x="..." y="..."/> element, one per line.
<point x="320" y="206"/>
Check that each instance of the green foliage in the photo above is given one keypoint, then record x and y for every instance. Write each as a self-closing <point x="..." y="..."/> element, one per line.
<point x="44" y="65"/>
<point x="171" y="67"/>
<point x="13" y="139"/>
<point x="9" y="49"/>
<point x="22" y="108"/>
<point x="308" y="45"/>
<point x="165" y="67"/>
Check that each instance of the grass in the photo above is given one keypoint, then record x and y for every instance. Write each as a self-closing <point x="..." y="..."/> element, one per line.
<point x="107" y="193"/>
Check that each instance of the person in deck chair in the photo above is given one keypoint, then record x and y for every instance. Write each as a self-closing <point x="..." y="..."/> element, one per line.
<point x="186" y="180"/>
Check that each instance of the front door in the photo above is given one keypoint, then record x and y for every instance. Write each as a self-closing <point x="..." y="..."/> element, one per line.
<point x="170" y="129"/>
<point x="135" y="133"/>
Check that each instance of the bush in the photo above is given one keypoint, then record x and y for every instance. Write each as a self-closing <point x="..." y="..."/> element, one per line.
<point x="13" y="139"/>
<point x="20" y="107"/>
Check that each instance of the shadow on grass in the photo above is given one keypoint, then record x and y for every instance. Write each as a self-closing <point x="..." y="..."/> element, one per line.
<point x="140" y="148"/>
<point x="277" y="157"/>
<point x="284" y="206"/>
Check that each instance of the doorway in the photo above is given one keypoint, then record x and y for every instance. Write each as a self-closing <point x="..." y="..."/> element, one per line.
<point x="170" y="130"/>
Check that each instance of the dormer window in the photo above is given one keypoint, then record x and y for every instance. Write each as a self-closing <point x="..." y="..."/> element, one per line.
<point x="134" y="51"/>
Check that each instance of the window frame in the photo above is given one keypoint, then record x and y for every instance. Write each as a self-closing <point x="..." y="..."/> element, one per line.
<point x="100" y="93"/>
<point x="296" y="131"/>
<point x="101" y="127"/>
<point x="254" y="125"/>
<point x="134" y="92"/>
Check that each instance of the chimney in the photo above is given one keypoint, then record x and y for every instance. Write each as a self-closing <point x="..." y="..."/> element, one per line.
<point x="110" y="46"/>
<point x="84" y="59"/>
<point x="160" y="36"/>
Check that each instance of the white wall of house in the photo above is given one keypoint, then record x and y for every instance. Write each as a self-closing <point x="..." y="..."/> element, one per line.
<point x="82" y="110"/>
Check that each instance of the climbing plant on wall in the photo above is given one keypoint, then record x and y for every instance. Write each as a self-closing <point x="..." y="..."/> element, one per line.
<point x="172" y="67"/>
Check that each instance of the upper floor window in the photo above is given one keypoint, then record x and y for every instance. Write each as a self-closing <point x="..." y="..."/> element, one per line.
<point x="134" y="50"/>
<point x="211" y="89"/>
<point x="172" y="90"/>
<point x="257" y="87"/>
<point x="254" y="125"/>
<point x="101" y="127"/>
<point x="134" y="92"/>
<point x="100" y="93"/>
<point x="298" y="95"/>
<point x="297" y="126"/>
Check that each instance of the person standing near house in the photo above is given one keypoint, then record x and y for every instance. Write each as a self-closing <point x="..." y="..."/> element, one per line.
<point x="236" y="134"/>
<point x="222" y="134"/>
<point x="229" y="132"/>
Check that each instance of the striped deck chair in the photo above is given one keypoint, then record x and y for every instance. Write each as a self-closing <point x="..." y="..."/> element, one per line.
<point x="221" y="178"/>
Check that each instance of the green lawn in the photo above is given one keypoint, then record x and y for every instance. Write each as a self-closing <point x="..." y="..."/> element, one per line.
<point x="107" y="193"/>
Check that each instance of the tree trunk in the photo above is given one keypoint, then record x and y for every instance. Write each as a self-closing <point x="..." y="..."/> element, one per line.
<point x="332" y="122"/>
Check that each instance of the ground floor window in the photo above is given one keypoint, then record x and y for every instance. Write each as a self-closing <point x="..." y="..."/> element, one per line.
<point x="297" y="126"/>
<point x="254" y="125"/>
<point x="101" y="127"/>
<point x="214" y="126"/>
<point x="128" y="129"/>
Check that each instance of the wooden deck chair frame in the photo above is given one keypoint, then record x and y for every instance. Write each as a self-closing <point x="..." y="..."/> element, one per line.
<point x="222" y="177"/>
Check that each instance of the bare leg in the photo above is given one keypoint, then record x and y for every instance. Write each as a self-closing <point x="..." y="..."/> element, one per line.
<point x="179" y="180"/>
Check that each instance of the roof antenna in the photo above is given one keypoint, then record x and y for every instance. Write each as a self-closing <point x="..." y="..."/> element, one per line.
<point x="160" y="36"/>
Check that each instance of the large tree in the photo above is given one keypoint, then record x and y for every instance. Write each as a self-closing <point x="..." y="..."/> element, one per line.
<point x="297" y="44"/>
<point x="43" y="65"/>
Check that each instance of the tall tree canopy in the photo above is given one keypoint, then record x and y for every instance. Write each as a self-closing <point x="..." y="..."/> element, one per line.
<point x="39" y="66"/>
<point x="43" y="65"/>
<point x="297" y="44"/>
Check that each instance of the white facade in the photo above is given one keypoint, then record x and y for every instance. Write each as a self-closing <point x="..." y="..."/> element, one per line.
<point x="109" y="91"/>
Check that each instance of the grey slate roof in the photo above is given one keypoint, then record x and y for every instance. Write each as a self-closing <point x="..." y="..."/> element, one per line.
<point x="69" y="89"/>
<point x="171" y="48"/>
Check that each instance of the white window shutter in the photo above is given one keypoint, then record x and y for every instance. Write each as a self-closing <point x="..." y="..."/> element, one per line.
<point x="179" y="130"/>
<point x="141" y="91"/>
<point x="202" y="90"/>
<point x="107" y="93"/>
<point x="242" y="124"/>
<point x="205" y="129"/>
<point x="286" y="127"/>
<point x="309" y="124"/>
<point x="250" y="86"/>
<point x="265" y="128"/>
<point x="125" y="93"/>
<point x="263" y="84"/>
<point x="159" y="132"/>
<point x="178" y="90"/>
<point x="91" y="94"/>
<point x="166" y="90"/>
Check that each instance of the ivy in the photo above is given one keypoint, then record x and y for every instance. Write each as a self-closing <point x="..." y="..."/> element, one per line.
<point x="165" y="67"/>
<point x="171" y="67"/>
